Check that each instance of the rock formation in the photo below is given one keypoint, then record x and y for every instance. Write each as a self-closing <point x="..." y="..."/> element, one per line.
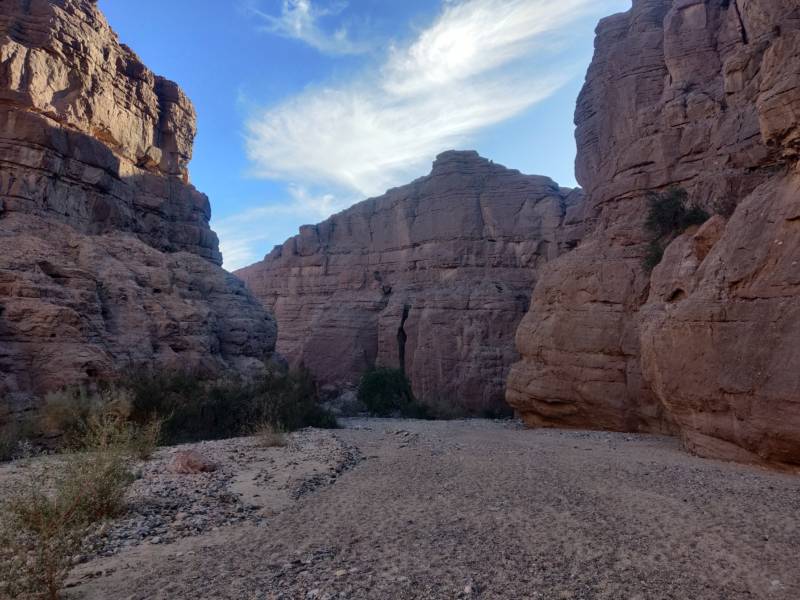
<point x="705" y="95"/>
<point x="106" y="258"/>
<point x="433" y="276"/>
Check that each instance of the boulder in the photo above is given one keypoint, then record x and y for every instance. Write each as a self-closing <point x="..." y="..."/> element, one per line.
<point x="190" y="462"/>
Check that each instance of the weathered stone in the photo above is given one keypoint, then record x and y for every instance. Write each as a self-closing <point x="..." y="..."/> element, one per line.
<point x="434" y="276"/>
<point x="702" y="94"/>
<point x="190" y="462"/>
<point x="107" y="262"/>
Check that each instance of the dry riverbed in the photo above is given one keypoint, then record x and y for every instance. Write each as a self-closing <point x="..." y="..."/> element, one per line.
<point x="460" y="509"/>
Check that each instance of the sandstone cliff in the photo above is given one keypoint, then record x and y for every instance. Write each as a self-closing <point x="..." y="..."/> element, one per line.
<point x="434" y="275"/>
<point x="106" y="258"/>
<point x="702" y="94"/>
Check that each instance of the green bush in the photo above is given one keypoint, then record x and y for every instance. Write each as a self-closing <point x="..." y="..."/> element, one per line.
<point x="12" y="436"/>
<point x="191" y="409"/>
<point x="387" y="392"/>
<point x="289" y="401"/>
<point x="654" y="255"/>
<point x="669" y="214"/>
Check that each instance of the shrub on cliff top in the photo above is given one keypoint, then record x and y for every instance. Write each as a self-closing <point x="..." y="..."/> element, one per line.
<point x="670" y="213"/>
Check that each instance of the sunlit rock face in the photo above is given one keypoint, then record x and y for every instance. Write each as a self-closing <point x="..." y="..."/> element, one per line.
<point x="702" y="94"/>
<point x="107" y="262"/>
<point x="434" y="276"/>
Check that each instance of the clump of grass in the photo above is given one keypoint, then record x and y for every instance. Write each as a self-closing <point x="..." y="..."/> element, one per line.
<point x="146" y="438"/>
<point x="270" y="436"/>
<point x="45" y="517"/>
<point x="387" y="393"/>
<point x="670" y="213"/>
<point x="39" y="535"/>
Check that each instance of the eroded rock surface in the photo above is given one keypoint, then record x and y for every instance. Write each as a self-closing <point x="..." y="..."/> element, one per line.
<point x="434" y="275"/>
<point x="702" y="94"/>
<point x="107" y="261"/>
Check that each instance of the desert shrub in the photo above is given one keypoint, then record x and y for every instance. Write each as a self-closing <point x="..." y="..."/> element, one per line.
<point x="725" y="207"/>
<point x="387" y="392"/>
<point x="39" y="535"/>
<point x="191" y="409"/>
<point x="70" y="411"/>
<point x="269" y="436"/>
<point x="290" y="401"/>
<point x="13" y="435"/>
<point x="654" y="255"/>
<point x="146" y="437"/>
<point x="669" y="214"/>
<point x="46" y="516"/>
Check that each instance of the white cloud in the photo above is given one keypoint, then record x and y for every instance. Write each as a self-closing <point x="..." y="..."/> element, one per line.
<point x="242" y="234"/>
<point x="300" y="19"/>
<point x="481" y="62"/>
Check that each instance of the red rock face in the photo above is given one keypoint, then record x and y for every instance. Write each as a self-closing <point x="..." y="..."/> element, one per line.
<point x="702" y="94"/>
<point x="435" y="275"/>
<point x="106" y="258"/>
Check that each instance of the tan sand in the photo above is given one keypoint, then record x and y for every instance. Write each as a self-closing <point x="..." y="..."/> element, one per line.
<point x="482" y="509"/>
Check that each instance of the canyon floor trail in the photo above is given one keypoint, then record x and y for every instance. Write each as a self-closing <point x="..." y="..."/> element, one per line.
<point x="481" y="509"/>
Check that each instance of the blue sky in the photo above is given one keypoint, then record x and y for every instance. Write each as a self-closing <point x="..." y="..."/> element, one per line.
<point x="308" y="106"/>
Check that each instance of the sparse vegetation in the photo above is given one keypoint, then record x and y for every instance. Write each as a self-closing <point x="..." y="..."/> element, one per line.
<point x="654" y="255"/>
<point x="70" y="412"/>
<point x="725" y="207"/>
<point x="387" y="393"/>
<point x="670" y="213"/>
<point x="45" y="517"/>
<point x="146" y="438"/>
<point x="13" y="436"/>
<point x="270" y="436"/>
<point x="191" y="410"/>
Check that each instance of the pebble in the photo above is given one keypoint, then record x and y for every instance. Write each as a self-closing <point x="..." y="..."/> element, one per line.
<point x="164" y="507"/>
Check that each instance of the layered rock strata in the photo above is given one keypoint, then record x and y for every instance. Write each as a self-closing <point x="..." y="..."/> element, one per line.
<point x="433" y="277"/>
<point x="107" y="261"/>
<point x="704" y="95"/>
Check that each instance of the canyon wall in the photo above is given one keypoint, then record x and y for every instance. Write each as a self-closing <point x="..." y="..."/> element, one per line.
<point x="107" y="262"/>
<point x="703" y="95"/>
<point x="433" y="276"/>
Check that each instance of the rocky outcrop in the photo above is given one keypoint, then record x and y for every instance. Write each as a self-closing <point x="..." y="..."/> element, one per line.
<point x="107" y="261"/>
<point x="705" y="95"/>
<point x="433" y="276"/>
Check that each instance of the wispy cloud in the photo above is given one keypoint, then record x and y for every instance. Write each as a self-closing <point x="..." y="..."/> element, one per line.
<point x="480" y="63"/>
<point x="301" y="20"/>
<point x="242" y="233"/>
